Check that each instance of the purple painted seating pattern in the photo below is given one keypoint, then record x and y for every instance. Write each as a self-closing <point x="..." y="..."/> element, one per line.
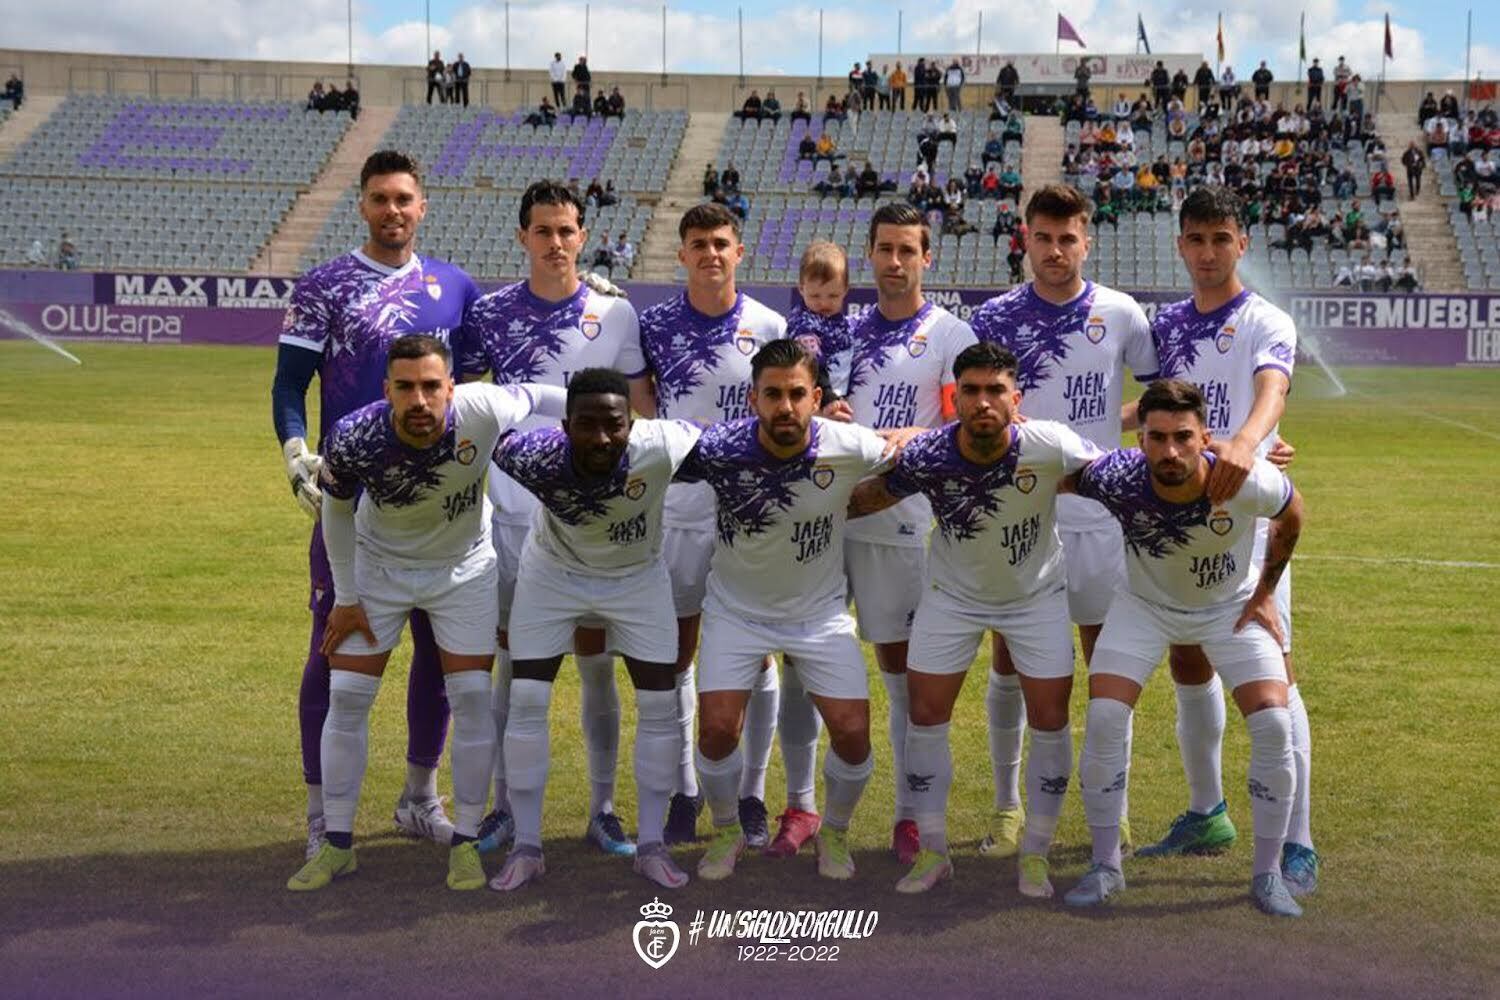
<point x="474" y="139"/>
<point x="174" y="126"/>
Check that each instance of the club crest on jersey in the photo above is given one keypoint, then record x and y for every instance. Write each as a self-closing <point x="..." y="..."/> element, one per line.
<point x="1225" y="340"/>
<point x="1220" y="522"/>
<point x="1025" y="480"/>
<point x="590" y="326"/>
<point x="745" y="341"/>
<point x="822" y="477"/>
<point x="811" y="343"/>
<point x="635" y="489"/>
<point x="1094" y="330"/>
<point x="466" y="452"/>
<point x="434" y="289"/>
<point x="917" y="345"/>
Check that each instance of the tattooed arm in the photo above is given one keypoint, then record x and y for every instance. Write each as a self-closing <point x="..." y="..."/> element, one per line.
<point x="870" y="496"/>
<point x="1286" y="528"/>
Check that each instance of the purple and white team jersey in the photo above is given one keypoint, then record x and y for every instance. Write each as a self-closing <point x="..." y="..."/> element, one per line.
<point x="424" y="508"/>
<point x="522" y="338"/>
<point x="779" y="541"/>
<point x="1189" y="556"/>
<point x="896" y="379"/>
<point x="827" y="337"/>
<point x="996" y="538"/>
<point x="1070" y="366"/>
<point x="609" y="526"/>
<point x="352" y="309"/>
<point x="1222" y="351"/>
<point x="701" y="365"/>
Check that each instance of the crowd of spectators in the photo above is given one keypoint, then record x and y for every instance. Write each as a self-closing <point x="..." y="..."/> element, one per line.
<point x="449" y="81"/>
<point x="1470" y="141"/>
<point x="620" y="254"/>
<point x="332" y="99"/>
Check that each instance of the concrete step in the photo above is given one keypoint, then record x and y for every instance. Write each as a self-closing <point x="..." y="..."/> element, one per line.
<point x="24" y="121"/>
<point x="1429" y="235"/>
<point x="684" y="189"/>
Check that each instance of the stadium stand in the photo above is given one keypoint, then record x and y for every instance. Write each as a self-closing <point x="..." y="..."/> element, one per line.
<point x="478" y="161"/>
<point x="183" y="184"/>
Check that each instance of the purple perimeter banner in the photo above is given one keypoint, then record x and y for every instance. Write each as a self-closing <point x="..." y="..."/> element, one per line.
<point x="1422" y="329"/>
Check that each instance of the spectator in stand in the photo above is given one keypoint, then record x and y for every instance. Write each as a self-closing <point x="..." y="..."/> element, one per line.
<point x="898" y="83"/>
<point x="739" y="205"/>
<point x="869" y="85"/>
<point x="436" y="70"/>
<point x="36" y="254"/>
<point x="581" y="107"/>
<point x="1355" y="94"/>
<point x="834" y="110"/>
<point x="1262" y="79"/>
<point x="623" y="253"/>
<point x="883" y="87"/>
<point x="826" y="149"/>
<point x="67" y="254"/>
<point x="1315" y="79"/>
<point x="1382" y="184"/>
<point x="994" y="150"/>
<point x="582" y="78"/>
<point x="800" y="109"/>
<point x="999" y="109"/>
<point x="593" y="194"/>
<point x="868" y="183"/>
<point x="1415" y="163"/>
<point x="15" y="92"/>
<point x="919" y="85"/>
<point x="807" y="149"/>
<point x="711" y="175"/>
<point x="856" y="78"/>
<point x="954" y="197"/>
<point x="752" y="108"/>
<point x="316" y="98"/>
<point x="1368" y="274"/>
<point x="1406" y="278"/>
<point x="1161" y="84"/>
<point x="616" y="103"/>
<point x="1180" y="84"/>
<point x="1017" y="255"/>
<point x="1007" y="82"/>
<point x="1010" y="183"/>
<point x="835" y="184"/>
<point x="953" y="82"/>
<point x="771" y="107"/>
<point x="1005" y="222"/>
<point x="947" y="129"/>
<point x="545" y="114"/>
<point x="557" y="72"/>
<point x="1428" y="109"/>
<point x="1341" y="76"/>
<point x="1203" y="80"/>
<point x="462" y="71"/>
<point x="729" y="180"/>
<point x="1229" y="88"/>
<point x="601" y="105"/>
<point x="927" y="150"/>
<point x="854" y="104"/>
<point x="351" y="100"/>
<point x="989" y="182"/>
<point x="1081" y="77"/>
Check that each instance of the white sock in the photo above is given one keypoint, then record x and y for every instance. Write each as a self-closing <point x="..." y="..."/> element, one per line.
<point x="1047" y="772"/>
<point x="721" y="782"/>
<point x="656" y="737"/>
<point x="500" y="709"/>
<point x="527" y="756"/>
<point x="760" y="733"/>
<point x="1007" y="714"/>
<point x="314" y="802"/>
<point x="346" y="745"/>
<point x="687" y="707"/>
<point x="473" y="750"/>
<point x="844" y="783"/>
<point x="599" y="712"/>
<point x="927" y="778"/>
<point x="899" y="719"/>
<point x="1104" y="772"/>
<point x="1272" y="781"/>
<point x="421" y="783"/>
<point x="798" y="724"/>
<point x="1200" y="740"/>
<point x="1300" y="830"/>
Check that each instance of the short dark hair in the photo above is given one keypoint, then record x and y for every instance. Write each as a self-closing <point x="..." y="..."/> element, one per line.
<point x="548" y="193"/>
<point x="899" y="213"/>
<point x="1058" y="201"/>
<point x="988" y="355"/>
<point x="597" y="382"/>
<point x="416" y="345"/>
<point x="1171" y="395"/>
<point x="1211" y="203"/>
<point x="784" y="353"/>
<point x="707" y="217"/>
<point x="389" y="161"/>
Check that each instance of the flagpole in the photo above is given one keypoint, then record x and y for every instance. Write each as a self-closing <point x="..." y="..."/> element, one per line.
<point x="1057" y="30"/>
<point x="1468" y="43"/>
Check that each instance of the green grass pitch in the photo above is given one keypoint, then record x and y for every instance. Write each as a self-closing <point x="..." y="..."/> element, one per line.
<point x="153" y="626"/>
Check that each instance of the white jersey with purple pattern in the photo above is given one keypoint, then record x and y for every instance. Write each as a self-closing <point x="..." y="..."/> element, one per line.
<point x="701" y="365"/>
<point x="609" y="526"/>
<point x="827" y="337"/>
<point x="352" y="309"/>
<point x="424" y="507"/>
<point x="896" y="379"/>
<point x="519" y="337"/>
<point x="1070" y="366"/>
<point x="1222" y="351"/>
<point x="996" y="538"/>
<point x="779" y="541"/>
<point x="1189" y="556"/>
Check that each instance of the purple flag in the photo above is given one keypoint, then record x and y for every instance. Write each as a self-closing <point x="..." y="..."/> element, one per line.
<point x="1066" y="32"/>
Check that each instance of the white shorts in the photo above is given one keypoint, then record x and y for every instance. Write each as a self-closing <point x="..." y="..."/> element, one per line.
<point x="509" y="539"/>
<point x="687" y="552"/>
<point x="824" y="651"/>
<point x="1037" y="631"/>
<point x="551" y="601"/>
<point x="886" y="583"/>
<point x="1095" y="562"/>
<point x="1137" y="632"/>
<point x="459" y="600"/>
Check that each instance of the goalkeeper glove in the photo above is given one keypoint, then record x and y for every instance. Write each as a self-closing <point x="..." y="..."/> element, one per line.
<point x="302" y="470"/>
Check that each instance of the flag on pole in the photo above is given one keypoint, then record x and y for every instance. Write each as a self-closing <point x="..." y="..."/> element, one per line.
<point x="1067" y="33"/>
<point x="1302" y="39"/>
<point x="1221" y="37"/>
<point x="1140" y="34"/>
<point x="1390" y="50"/>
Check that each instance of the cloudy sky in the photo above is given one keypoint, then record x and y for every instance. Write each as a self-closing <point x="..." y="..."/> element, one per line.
<point x="779" y="37"/>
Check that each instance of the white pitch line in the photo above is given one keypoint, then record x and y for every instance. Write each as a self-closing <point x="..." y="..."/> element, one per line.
<point x="1441" y="563"/>
<point x="1439" y="418"/>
